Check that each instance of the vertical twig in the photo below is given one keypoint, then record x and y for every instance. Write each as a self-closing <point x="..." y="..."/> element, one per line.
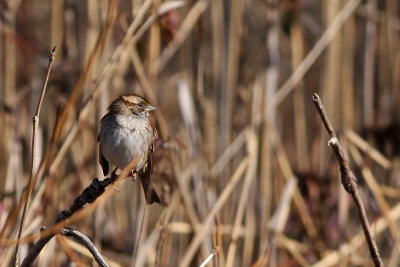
<point x="348" y="181"/>
<point x="35" y="119"/>
<point x="217" y="241"/>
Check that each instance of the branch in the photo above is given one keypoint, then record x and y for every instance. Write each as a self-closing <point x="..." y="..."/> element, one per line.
<point x="35" y="119"/>
<point x="348" y="180"/>
<point x="89" y="195"/>
<point x="84" y="240"/>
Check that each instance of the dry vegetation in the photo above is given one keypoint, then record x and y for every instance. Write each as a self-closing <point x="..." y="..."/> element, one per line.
<point x="243" y="159"/>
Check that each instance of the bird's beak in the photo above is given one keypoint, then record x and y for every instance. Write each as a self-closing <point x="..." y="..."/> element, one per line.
<point x="150" y="108"/>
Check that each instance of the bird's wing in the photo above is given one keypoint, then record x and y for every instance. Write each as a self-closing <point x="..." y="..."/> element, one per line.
<point x="150" y="192"/>
<point x="103" y="162"/>
<point x="155" y="133"/>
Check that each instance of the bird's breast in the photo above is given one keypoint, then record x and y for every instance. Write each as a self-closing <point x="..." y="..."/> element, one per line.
<point x="124" y="138"/>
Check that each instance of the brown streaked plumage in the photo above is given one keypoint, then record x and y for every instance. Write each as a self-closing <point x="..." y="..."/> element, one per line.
<point x="127" y="132"/>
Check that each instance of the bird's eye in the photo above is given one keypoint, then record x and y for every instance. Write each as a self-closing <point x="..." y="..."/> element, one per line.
<point x="140" y="105"/>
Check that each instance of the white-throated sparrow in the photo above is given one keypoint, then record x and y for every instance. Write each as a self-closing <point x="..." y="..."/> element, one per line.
<point x="126" y="132"/>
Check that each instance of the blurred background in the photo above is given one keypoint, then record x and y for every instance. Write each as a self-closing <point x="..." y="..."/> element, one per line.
<point x="242" y="161"/>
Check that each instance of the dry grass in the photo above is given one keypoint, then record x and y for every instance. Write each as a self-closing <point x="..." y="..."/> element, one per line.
<point x="243" y="161"/>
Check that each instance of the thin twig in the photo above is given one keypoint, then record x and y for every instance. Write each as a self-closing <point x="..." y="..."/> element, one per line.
<point x="84" y="240"/>
<point x="348" y="181"/>
<point x="89" y="195"/>
<point x="33" y="155"/>
<point x="217" y="241"/>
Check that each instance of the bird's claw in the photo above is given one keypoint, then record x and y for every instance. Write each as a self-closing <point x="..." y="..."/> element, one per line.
<point x="134" y="176"/>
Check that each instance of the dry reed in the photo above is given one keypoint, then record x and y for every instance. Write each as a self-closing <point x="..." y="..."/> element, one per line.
<point x="242" y="162"/>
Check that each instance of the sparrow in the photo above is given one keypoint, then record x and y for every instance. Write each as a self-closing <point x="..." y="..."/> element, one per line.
<point x="126" y="132"/>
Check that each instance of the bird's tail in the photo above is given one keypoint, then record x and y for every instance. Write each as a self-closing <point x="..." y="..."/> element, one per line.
<point x="149" y="192"/>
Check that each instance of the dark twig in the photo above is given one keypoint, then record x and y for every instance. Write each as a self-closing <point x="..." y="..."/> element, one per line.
<point x="29" y="187"/>
<point x="348" y="180"/>
<point x="89" y="195"/>
<point x="84" y="240"/>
